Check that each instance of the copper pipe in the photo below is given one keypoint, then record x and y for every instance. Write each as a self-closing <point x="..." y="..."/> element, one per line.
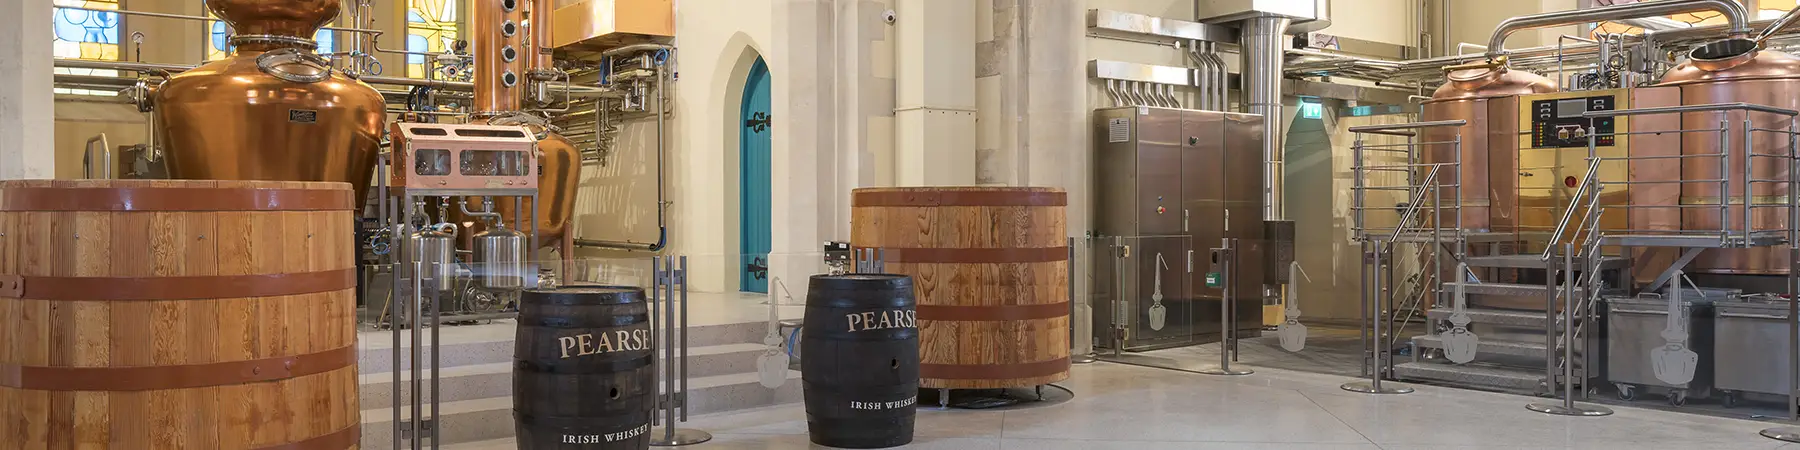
<point x="537" y="21"/>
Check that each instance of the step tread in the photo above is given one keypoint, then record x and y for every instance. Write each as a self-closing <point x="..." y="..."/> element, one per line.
<point x="1490" y="346"/>
<point x="381" y="415"/>
<point x="1472" y="374"/>
<point x="1493" y="316"/>
<point x="1508" y="289"/>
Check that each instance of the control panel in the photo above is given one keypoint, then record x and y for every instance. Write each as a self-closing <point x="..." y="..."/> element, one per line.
<point x="1557" y="123"/>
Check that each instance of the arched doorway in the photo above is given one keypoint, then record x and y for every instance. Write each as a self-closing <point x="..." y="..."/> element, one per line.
<point x="755" y="209"/>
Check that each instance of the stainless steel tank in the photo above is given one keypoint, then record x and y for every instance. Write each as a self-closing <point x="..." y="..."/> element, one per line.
<point x="499" y="258"/>
<point x="433" y="249"/>
<point x="1727" y="71"/>
<point x="1486" y="97"/>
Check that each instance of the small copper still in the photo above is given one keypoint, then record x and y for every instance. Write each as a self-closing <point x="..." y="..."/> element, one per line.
<point x="273" y="110"/>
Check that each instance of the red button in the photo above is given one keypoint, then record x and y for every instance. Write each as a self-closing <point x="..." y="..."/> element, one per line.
<point x="1570" y="181"/>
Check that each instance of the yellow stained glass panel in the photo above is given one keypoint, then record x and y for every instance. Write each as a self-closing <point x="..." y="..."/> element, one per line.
<point x="430" y="27"/>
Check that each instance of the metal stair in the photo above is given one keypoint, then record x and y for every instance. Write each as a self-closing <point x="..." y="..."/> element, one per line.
<point x="1512" y="354"/>
<point x="1505" y="378"/>
<point x="1506" y="317"/>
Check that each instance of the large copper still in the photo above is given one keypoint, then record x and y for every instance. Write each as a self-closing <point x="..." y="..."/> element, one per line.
<point x="512" y="49"/>
<point x="1735" y="70"/>
<point x="1486" y="97"/>
<point x="273" y="110"/>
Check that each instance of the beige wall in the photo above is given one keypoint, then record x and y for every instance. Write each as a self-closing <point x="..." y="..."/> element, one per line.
<point x="1473" y="22"/>
<point x="1386" y="21"/>
<point x="819" y="154"/>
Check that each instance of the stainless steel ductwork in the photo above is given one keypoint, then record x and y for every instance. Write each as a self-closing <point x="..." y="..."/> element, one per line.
<point x="1263" y="47"/>
<point x="1262" y="27"/>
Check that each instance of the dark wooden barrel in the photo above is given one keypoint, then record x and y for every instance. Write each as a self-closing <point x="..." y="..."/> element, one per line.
<point x="861" y="370"/>
<point x="582" y="373"/>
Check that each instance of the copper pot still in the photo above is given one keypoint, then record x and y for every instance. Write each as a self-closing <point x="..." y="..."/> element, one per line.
<point x="1726" y="71"/>
<point x="273" y="110"/>
<point x="1486" y="97"/>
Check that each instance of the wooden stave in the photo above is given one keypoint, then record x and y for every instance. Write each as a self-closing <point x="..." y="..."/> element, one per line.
<point x="871" y="226"/>
<point x="103" y="332"/>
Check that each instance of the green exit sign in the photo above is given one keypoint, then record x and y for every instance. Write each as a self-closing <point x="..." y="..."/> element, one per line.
<point x="1212" y="279"/>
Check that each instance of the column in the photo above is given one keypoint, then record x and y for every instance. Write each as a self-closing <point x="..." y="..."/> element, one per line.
<point x="27" y="143"/>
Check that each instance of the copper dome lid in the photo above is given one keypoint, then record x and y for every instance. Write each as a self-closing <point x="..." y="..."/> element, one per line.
<point x="1485" y="82"/>
<point x="1732" y="60"/>
<point x="291" y="18"/>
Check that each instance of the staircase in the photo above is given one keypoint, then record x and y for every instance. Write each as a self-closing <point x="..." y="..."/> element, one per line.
<point x="476" y="380"/>
<point x="1510" y="318"/>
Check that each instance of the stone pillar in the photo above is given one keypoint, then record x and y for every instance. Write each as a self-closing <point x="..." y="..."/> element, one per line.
<point x="935" y="75"/>
<point x="27" y="143"/>
<point x="803" y="68"/>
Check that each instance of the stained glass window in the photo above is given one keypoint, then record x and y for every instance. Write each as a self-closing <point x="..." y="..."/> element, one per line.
<point x="87" y="35"/>
<point x="430" y="27"/>
<point x="218" y="42"/>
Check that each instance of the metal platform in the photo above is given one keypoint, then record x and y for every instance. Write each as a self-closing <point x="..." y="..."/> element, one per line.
<point x="1472" y="374"/>
<point x="1537" y="262"/>
<point x="1491" y="347"/>
<point x="1755" y="239"/>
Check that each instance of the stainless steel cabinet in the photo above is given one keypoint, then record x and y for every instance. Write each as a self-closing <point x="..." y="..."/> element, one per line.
<point x="1173" y="183"/>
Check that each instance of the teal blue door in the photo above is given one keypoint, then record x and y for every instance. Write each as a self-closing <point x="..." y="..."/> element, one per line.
<point x="754" y="196"/>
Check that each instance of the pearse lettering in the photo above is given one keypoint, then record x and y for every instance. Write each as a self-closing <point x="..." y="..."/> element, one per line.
<point x="882" y="320"/>
<point x="616" y="341"/>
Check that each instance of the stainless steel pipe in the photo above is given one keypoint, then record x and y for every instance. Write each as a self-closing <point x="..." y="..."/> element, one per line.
<point x="1734" y="14"/>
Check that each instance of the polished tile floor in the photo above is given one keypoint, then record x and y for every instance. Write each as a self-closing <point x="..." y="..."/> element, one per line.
<point x="1127" y="407"/>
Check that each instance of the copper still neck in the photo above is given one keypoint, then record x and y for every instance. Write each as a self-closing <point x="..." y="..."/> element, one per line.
<point x="262" y="25"/>
<point x="498" y="34"/>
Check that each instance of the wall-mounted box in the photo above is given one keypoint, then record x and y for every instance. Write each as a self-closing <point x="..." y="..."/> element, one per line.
<point x="604" y="24"/>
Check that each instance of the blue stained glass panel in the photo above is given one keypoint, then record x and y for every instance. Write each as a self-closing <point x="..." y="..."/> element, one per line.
<point x="76" y="25"/>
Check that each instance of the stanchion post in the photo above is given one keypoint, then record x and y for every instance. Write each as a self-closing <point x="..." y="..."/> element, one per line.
<point x="1378" y="351"/>
<point x="1789" y="433"/>
<point x="1074" y="346"/>
<point x="674" y="273"/>
<point x="1568" y="406"/>
<point x="1225" y="263"/>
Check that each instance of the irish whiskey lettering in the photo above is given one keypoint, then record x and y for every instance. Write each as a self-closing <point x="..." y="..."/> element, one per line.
<point x="590" y="344"/>
<point x="879" y="320"/>
<point x="608" y="437"/>
<point x="877" y="406"/>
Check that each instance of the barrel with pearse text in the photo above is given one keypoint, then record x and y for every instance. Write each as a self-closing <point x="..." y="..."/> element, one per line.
<point x="861" y="370"/>
<point x="583" y="376"/>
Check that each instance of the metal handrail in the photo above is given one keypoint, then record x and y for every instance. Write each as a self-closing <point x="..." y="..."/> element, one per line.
<point x="1412" y="206"/>
<point x="1563" y="225"/>
<point x="1397" y="129"/>
<point x="1692" y="108"/>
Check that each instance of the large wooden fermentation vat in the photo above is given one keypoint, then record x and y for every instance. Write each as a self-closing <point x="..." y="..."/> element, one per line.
<point x="990" y="271"/>
<point x="177" y="314"/>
